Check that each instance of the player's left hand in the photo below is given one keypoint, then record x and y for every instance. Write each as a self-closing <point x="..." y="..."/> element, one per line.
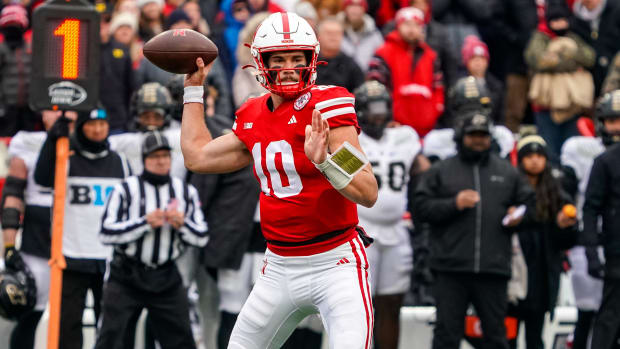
<point x="317" y="136"/>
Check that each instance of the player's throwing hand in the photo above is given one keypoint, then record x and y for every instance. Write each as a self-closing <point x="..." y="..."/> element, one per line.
<point x="198" y="77"/>
<point x="317" y="136"/>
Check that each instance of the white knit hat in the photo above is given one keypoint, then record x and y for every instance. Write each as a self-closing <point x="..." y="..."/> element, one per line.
<point x="142" y="3"/>
<point x="121" y="19"/>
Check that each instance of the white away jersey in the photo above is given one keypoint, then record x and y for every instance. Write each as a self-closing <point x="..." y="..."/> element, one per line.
<point x="26" y="146"/>
<point x="579" y="153"/>
<point x="391" y="158"/>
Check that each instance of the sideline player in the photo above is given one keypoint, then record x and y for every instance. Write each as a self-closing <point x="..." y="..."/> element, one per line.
<point x="23" y="197"/>
<point x="578" y="154"/>
<point x="316" y="261"/>
<point x="396" y="156"/>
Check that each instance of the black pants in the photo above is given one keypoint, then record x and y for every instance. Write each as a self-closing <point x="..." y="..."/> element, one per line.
<point x="23" y="334"/>
<point x="585" y="319"/>
<point x="607" y="320"/>
<point x="123" y="304"/>
<point x="75" y="284"/>
<point x="534" y="322"/>
<point x="453" y="294"/>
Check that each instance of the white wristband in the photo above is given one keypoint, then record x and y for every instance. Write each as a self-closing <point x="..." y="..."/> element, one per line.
<point x="193" y="94"/>
<point x="341" y="166"/>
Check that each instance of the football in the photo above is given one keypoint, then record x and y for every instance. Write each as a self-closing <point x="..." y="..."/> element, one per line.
<point x="176" y="50"/>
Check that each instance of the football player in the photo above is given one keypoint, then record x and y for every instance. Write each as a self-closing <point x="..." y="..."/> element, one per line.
<point x="23" y="197"/>
<point x="302" y="140"/>
<point x="578" y="154"/>
<point x="392" y="153"/>
<point x="151" y="106"/>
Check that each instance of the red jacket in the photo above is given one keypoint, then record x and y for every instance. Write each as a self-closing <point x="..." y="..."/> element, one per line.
<point x="417" y="91"/>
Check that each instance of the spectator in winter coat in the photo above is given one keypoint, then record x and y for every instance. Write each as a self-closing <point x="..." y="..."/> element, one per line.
<point x="151" y="20"/>
<point x="116" y="67"/>
<point x="244" y="83"/>
<point x="560" y="88"/>
<point x="544" y="235"/>
<point x="15" y="66"/>
<point x="199" y="24"/>
<point x="597" y="22"/>
<point x="461" y="18"/>
<point x="361" y="36"/>
<point x="513" y="25"/>
<point x="306" y="11"/>
<point x="341" y="70"/>
<point x="235" y="13"/>
<point x="410" y="69"/>
<point x="470" y="241"/>
<point x="436" y="38"/>
<point x="475" y="55"/>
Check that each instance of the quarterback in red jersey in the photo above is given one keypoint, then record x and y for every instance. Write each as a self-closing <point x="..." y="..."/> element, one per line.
<point x="302" y="141"/>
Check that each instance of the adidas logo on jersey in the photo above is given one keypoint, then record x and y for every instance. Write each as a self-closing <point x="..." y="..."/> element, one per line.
<point x="343" y="261"/>
<point x="247" y="125"/>
<point x="292" y="120"/>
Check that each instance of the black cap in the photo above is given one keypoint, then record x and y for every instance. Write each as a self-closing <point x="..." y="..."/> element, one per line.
<point x="95" y="114"/>
<point x="154" y="140"/>
<point x="476" y="122"/>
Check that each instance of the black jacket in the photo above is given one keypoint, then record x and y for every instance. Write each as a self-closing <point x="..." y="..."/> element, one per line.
<point x="543" y="245"/>
<point x="603" y="200"/>
<point x="472" y="240"/>
<point x="605" y="40"/>
<point x="117" y="83"/>
<point x="340" y="71"/>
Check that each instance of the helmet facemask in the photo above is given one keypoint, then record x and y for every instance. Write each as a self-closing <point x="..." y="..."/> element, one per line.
<point x="271" y="77"/>
<point x="374" y="118"/>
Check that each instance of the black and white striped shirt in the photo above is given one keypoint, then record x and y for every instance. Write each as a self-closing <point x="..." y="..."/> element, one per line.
<point x="124" y="221"/>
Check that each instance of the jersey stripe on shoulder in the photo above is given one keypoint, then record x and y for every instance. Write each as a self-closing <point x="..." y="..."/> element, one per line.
<point x="337" y="112"/>
<point x="334" y="101"/>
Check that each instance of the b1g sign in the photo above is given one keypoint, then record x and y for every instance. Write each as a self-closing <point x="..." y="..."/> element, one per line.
<point x="65" y="56"/>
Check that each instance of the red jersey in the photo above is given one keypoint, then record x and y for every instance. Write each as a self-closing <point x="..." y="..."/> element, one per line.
<point x="297" y="203"/>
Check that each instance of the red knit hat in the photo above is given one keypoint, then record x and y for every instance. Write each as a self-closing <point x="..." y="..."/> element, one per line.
<point x="362" y="3"/>
<point x="409" y="13"/>
<point x="14" y="16"/>
<point x="473" y="47"/>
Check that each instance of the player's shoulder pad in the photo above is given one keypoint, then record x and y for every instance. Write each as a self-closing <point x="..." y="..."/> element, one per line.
<point x="323" y="96"/>
<point x="251" y="104"/>
<point x="580" y="146"/>
<point x="505" y="138"/>
<point x="25" y="142"/>
<point x="403" y="134"/>
<point x="439" y="143"/>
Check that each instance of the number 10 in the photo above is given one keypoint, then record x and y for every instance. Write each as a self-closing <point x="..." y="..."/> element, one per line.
<point x="69" y="29"/>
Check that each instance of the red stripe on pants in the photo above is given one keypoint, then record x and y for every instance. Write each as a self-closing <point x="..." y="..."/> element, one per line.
<point x="361" y="282"/>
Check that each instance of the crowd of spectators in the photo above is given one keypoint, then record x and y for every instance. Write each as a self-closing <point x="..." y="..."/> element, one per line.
<point x="542" y="63"/>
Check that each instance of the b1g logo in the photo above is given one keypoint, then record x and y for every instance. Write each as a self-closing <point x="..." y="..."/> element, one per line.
<point x="85" y="194"/>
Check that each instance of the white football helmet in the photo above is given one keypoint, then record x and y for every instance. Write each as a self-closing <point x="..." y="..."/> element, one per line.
<point x="285" y="31"/>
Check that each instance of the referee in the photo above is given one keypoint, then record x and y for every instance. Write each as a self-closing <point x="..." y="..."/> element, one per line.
<point x="149" y="219"/>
